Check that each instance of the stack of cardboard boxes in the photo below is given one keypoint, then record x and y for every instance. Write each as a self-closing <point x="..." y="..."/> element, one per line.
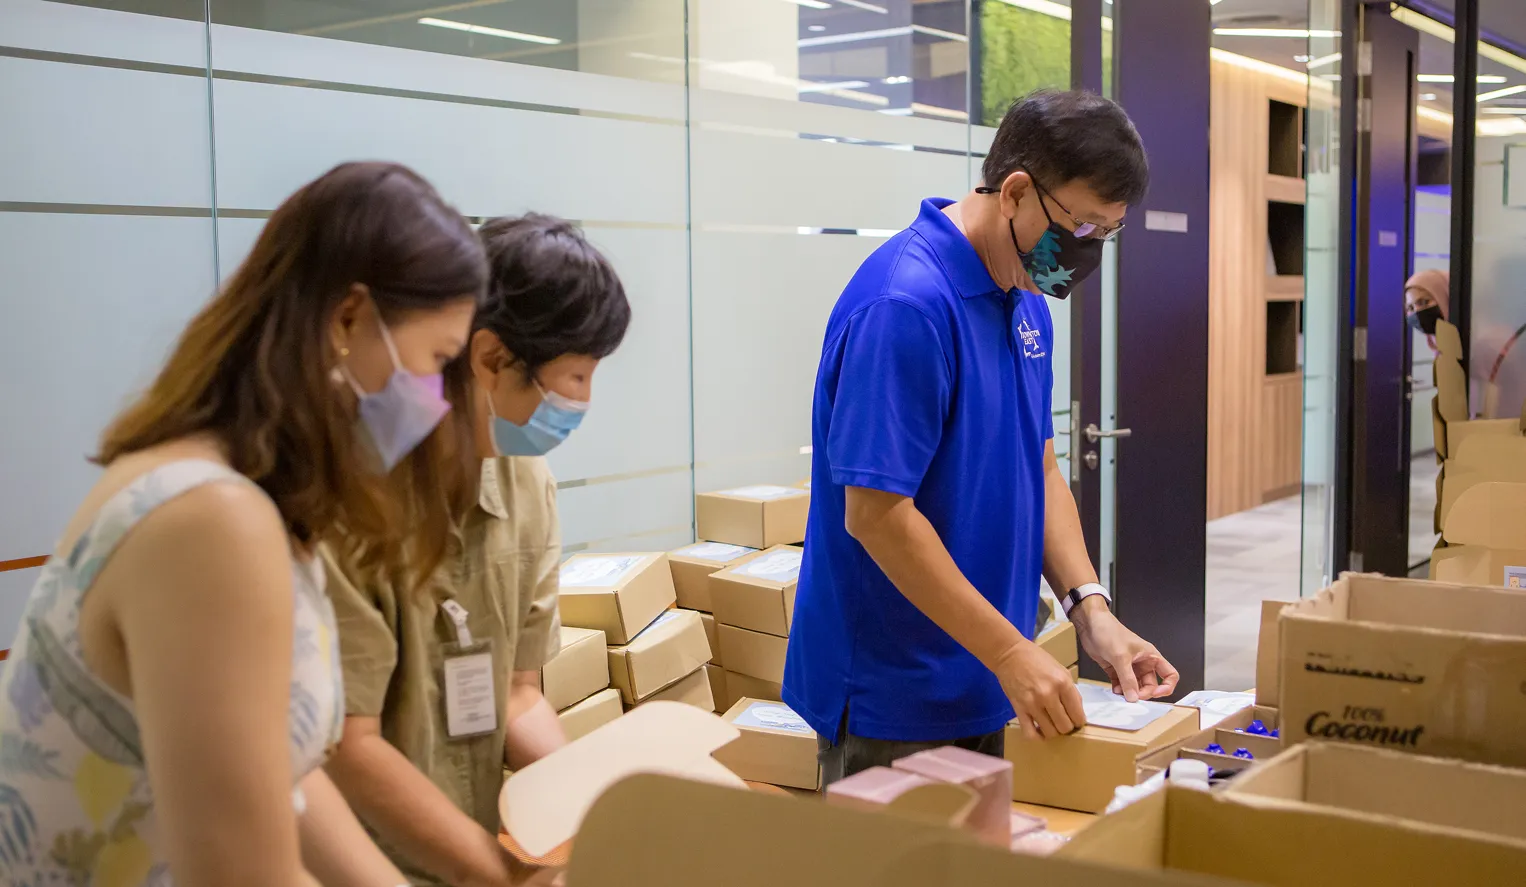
<point x="576" y="683"/>
<point x="1481" y="490"/>
<point x="653" y="651"/>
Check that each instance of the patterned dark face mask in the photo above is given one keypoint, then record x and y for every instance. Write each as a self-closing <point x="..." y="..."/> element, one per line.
<point x="1062" y="258"/>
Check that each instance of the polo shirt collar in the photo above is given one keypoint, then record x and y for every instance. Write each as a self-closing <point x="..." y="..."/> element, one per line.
<point x="491" y="497"/>
<point x="955" y="252"/>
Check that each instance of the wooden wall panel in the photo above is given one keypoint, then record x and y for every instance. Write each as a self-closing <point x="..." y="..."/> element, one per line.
<point x="1281" y="407"/>
<point x="1237" y="264"/>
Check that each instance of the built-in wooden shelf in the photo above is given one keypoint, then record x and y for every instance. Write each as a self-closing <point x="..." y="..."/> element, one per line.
<point x="1284" y="288"/>
<point x="1286" y="189"/>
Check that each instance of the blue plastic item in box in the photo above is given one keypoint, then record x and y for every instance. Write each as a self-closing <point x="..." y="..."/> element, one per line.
<point x="1244" y="753"/>
<point x="1214" y="748"/>
<point x="1257" y="728"/>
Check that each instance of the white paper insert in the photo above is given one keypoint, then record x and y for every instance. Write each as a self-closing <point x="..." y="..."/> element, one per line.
<point x="720" y="552"/>
<point x="765" y="492"/>
<point x="776" y="566"/>
<point x="1104" y="708"/>
<point x="597" y="572"/>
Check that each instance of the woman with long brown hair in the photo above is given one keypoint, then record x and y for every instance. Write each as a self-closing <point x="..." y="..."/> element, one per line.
<point x="175" y="684"/>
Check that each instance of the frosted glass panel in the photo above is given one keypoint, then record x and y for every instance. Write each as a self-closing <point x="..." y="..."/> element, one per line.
<point x="1497" y="362"/>
<point x="85" y="338"/>
<point x="14" y="588"/>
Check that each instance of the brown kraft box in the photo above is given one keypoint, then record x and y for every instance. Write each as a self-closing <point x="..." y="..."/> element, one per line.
<point x="758" y="516"/>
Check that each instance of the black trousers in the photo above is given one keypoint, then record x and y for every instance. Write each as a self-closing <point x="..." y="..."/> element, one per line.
<point x="854" y="754"/>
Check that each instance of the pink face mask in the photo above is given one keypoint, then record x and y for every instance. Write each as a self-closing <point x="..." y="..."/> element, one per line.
<point x="397" y="418"/>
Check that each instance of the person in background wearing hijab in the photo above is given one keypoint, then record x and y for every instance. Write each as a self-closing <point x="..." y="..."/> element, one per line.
<point x="1495" y="376"/>
<point x="442" y="688"/>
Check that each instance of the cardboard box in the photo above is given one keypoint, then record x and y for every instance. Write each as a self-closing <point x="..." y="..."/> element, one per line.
<point x="1269" y="655"/>
<point x="618" y="594"/>
<point x="543" y="805"/>
<point x="775" y="745"/>
<point x="873" y="788"/>
<point x="1409" y="665"/>
<point x="1211" y="834"/>
<point x="759" y="594"/>
<point x="671" y="649"/>
<point x="739" y="686"/>
<point x="712" y="632"/>
<point x="1080" y="771"/>
<point x="988" y="778"/>
<point x="1229" y="735"/>
<point x="1481" y="459"/>
<point x="758" y="516"/>
<point x="1432" y="791"/>
<point x="579" y="670"/>
<point x="658" y="831"/>
<point x="1059" y="641"/>
<point x="691" y="690"/>
<point x="753" y="653"/>
<point x="693" y="564"/>
<point x="582" y="718"/>
<point x="718" y="692"/>
<point x="1485" y="535"/>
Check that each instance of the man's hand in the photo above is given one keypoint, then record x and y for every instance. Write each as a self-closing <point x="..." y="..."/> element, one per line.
<point x="1136" y="668"/>
<point x="1040" y="690"/>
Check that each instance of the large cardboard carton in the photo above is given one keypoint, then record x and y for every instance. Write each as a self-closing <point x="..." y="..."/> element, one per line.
<point x="1209" y="834"/>
<point x="1485" y="534"/>
<point x="774" y="745"/>
<point x="579" y="670"/>
<point x="759" y="594"/>
<point x="1269" y="655"/>
<point x="1481" y="459"/>
<point x="692" y="690"/>
<point x="656" y="831"/>
<point x="692" y="566"/>
<point x="583" y="718"/>
<point x="718" y="692"/>
<point x="1408" y="665"/>
<point x="1434" y="791"/>
<point x="618" y="594"/>
<point x="1059" y="641"/>
<point x="758" y="516"/>
<point x="1080" y="771"/>
<point x="672" y="648"/>
<point x="543" y="804"/>
<point x="753" y="653"/>
<point x="741" y="685"/>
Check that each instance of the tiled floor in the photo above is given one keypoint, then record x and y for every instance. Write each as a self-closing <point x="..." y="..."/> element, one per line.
<point x="1256" y="555"/>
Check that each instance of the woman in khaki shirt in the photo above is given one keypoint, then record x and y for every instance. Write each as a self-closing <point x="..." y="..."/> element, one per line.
<point x="442" y="685"/>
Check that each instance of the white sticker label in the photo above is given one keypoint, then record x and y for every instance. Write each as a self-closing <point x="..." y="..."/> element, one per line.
<point x="776" y="566"/>
<point x="772" y="715"/>
<point x="597" y="572"/>
<point x="471" y="706"/>
<point x="766" y="493"/>
<point x="1173" y="223"/>
<point x="664" y="619"/>
<point x="1515" y="577"/>
<point x="719" y="552"/>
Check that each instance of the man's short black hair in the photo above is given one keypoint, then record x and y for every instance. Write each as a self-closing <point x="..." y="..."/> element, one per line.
<point x="549" y="291"/>
<point x="1059" y="136"/>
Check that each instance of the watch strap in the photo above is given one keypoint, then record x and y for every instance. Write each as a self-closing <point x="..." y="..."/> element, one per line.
<point x="1075" y="596"/>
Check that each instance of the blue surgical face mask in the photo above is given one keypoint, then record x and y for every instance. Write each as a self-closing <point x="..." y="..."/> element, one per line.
<point x="554" y="419"/>
<point x="397" y="418"/>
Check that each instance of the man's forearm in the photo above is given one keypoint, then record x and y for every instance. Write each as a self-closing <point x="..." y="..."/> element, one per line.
<point x="1066" y="562"/>
<point x="906" y="547"/>
<point x="400" y="802"/>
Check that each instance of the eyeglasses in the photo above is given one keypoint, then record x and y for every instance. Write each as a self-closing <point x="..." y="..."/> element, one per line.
<point x="1082" y="230"/>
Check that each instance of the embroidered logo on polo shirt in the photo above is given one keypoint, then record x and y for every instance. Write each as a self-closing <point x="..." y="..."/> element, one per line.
<point x="1033" y="345"/>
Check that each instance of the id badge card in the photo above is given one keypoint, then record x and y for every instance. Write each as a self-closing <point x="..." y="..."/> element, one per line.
<point x="471" y="697"/>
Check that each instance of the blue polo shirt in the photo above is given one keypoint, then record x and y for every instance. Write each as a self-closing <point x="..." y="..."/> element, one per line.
<point x="936" y="384"/>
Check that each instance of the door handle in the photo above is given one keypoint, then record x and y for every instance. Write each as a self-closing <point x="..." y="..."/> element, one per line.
<point x="1094" y="434"/>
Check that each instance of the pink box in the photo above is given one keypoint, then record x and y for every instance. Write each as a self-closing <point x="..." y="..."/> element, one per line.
<point x="873" y="788"/>
<point x="990" y="778"/>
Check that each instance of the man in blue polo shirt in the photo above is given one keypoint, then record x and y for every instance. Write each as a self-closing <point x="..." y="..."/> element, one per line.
<point x="937" y="502"/>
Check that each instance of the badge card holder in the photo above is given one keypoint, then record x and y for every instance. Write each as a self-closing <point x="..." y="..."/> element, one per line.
<point x="471" y="699"/>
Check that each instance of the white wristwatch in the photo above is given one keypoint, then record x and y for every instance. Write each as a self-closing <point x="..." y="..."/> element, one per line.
<point x="1077" y="595"/>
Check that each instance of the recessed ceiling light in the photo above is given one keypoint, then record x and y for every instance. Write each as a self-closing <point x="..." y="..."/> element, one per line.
<point x="1297" y="33"/>
<point x="816" y="27"/>
<point x="485" y="31"/>
<point x="1300" y="58"/>
<point x="1448" y="78"/>
<point x="1501" y="93"/>
<point x="896" y="80"/>
<point x="1429" y="97"/>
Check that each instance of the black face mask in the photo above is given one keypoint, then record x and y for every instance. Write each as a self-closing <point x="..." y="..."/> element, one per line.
<point x="1425" y="319"/>
<point x="1060" y="259"/>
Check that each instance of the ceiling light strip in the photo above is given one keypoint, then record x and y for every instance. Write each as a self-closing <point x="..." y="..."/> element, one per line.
<point x="485" y="31"/>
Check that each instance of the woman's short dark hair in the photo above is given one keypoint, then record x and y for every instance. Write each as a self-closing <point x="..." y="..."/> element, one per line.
<point x="1060" y="136"/>
<point x="550" y="292"/>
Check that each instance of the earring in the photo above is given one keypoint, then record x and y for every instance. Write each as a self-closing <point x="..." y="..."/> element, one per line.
<point x="344" y="352"/>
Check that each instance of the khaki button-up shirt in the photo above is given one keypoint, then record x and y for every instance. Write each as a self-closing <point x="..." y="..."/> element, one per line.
<point x="502" y="569"/>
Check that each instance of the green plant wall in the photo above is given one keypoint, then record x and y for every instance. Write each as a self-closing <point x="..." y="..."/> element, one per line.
<point x="1020" y="51"/>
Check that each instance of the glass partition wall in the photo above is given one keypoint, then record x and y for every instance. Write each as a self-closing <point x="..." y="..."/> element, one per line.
<point x="736" y="159"/>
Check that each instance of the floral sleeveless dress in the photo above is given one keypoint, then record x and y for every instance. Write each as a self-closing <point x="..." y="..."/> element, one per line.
<point x="76" y="809"/>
